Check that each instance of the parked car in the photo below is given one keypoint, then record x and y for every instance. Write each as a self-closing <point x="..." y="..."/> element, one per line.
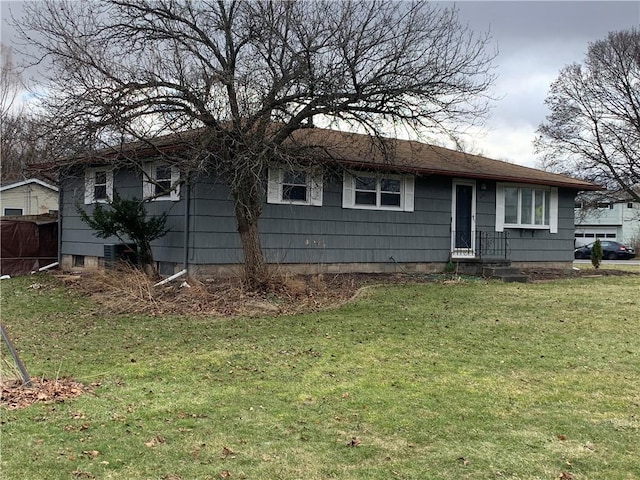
<point x="610" y="251"/>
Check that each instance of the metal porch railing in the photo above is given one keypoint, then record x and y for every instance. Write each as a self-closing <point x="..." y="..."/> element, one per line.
<point x="488" y="244"/>
<point x="491" y="244"/>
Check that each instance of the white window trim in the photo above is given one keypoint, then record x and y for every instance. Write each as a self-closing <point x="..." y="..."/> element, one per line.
<point x="500" y="208"/>
<point x="407" y="189"/>
<point x="148" y="185"/>
<point x="90" y="183"/>
<point x="275" y="185"/>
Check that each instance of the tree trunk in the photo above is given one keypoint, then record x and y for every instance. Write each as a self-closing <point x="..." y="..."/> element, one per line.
<point x="255" y="274"/>
<point x="145" y="258"/>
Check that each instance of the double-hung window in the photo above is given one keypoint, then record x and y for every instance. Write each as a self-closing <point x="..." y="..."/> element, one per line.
<point x="378" y="192"/>
<point x="527" y="207"/>
<point x="297" y="186"/>
<point x="98" y="185"/>
<point x="161" y="181"/>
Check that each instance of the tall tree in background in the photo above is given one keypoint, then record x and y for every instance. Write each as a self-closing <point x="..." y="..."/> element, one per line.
<point x="593" y="129"/>
<point x="25" y="136"/>
<point x="10" y="82"/>
<point x="11" y="116"/>
<point x="251" y="73"/>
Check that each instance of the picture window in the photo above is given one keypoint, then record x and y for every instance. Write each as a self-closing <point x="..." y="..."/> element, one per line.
<point x="526" y="207"/>
<point x="370" y="191"/>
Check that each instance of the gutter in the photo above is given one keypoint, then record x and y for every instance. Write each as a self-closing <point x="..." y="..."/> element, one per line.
<point x="573" y="184"/>
<point x="60" y="215"/>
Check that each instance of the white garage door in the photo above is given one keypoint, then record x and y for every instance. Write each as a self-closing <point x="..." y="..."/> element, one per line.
<point x="589" y="235"/>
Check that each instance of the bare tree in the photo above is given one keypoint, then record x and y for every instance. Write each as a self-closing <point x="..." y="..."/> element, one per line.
<point x="10" y="115"/>
<point x="593" y="129"/>
<point x="10" y="82"/>
<point x="251" y="73"/>
<point x="25" y="136"/>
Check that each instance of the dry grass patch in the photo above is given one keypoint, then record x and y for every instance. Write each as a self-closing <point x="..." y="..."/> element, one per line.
<point x="129" y="290"/>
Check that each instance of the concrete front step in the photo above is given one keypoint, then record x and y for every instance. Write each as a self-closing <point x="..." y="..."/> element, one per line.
<point x="506" y="274"/>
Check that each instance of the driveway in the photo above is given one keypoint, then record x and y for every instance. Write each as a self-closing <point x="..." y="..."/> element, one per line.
<point x="635" y="262"/>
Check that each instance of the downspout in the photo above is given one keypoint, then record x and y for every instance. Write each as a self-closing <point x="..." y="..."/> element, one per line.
<point x="27" y="200"/>
<point x="185" y="246"/>
<point x="60" y="203"/>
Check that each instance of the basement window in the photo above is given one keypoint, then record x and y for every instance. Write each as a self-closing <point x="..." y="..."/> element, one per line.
<point x="78" y="260"/>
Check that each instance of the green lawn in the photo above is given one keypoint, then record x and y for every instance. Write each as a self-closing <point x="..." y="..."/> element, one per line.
<point x="469" y="380"/>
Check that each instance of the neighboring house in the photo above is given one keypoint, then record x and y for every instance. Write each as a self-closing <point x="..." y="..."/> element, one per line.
<point x="355" y="212"/>
<point x="28" y="197"/>
<point x="607" y="218"/>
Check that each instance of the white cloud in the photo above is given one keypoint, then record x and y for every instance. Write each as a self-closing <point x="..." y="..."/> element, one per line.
<point x="508" y="142"/>
<point x="535" y="40"/>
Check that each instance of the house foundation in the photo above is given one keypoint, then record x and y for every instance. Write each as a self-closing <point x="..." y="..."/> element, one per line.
<point x="463" y="267"/>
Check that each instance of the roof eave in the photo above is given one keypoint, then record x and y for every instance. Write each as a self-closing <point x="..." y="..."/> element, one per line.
<point x="580" y="186"/>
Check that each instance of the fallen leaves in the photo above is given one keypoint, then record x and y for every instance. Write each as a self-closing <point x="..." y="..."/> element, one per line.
<point x="16" y="395"/>
<point x="91" y="454"/>
<point x="154" y="441"/>
<point x="228" y="453"/>
<point x="354" y="442"/>
<point x="76" y="428"/>
<point x="81" y="474"/>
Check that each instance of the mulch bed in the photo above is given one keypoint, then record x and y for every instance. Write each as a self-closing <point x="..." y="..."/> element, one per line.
<point x="542" y="274"/>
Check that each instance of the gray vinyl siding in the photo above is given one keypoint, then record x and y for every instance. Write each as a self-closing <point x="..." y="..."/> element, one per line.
<point x="213" y="234"/>
<point x="332" y="234"/>
<point x="326" y="234"/>
<point x="316" y="234"/>
<point x="78" y="239"/>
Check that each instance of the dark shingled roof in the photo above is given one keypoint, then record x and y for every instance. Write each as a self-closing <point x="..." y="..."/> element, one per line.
<point x="356" y="150"/>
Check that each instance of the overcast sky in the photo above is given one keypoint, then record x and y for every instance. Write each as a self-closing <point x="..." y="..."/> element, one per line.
<point x="534" y="40"/>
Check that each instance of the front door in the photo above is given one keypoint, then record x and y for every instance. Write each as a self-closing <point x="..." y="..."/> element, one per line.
<point x="463" y="220"/>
